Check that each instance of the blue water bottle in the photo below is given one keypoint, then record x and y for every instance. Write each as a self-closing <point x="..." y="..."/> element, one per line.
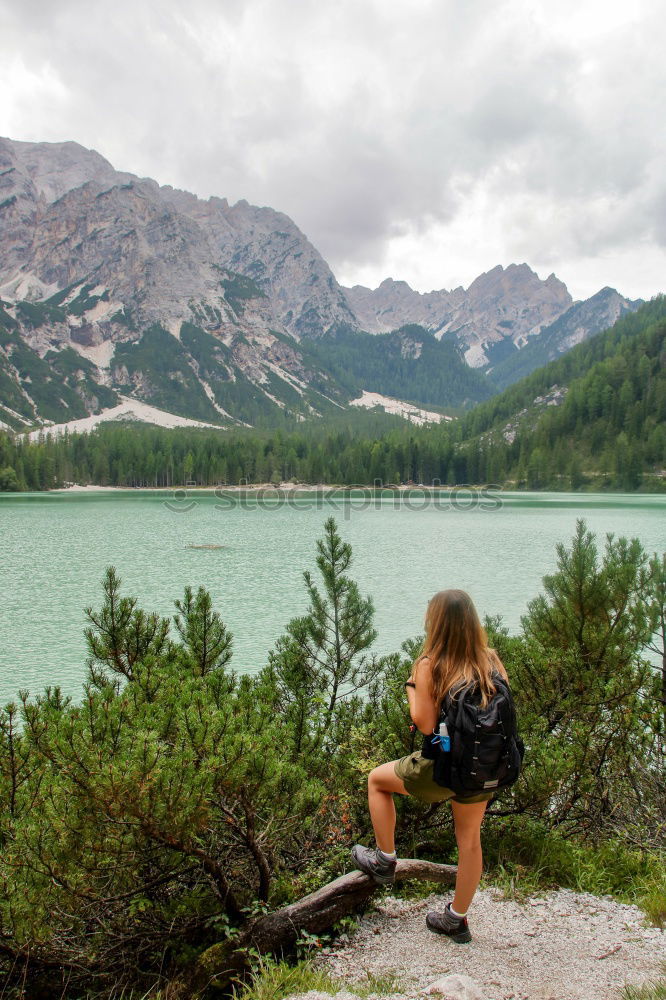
<point x="444" y="738"/>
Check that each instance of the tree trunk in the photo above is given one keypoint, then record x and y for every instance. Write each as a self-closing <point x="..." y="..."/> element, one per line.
<point x="222" y="963"/>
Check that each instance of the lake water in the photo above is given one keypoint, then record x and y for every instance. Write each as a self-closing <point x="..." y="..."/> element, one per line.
<point x="55" y="548"/>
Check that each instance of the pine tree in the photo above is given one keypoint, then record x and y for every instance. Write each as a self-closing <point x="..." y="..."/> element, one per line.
<point x="320" y="663"/>
<point x="583" y="676"/>
<point x="207" y="643"/>
<point x="122" y="637"/>
<point x="9" y="480"/>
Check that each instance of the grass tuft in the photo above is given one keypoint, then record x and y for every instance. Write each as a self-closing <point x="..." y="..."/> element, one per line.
<point x="653" y="902"/>
<point x="273" y="980"/>
<point x="649" y="991"/>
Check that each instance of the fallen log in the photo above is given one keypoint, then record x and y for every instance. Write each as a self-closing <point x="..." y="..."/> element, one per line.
<point x="221" y="964"/>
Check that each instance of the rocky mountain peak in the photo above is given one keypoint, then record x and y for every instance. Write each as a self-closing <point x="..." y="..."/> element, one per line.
<point x="517" y="279"/>
<point x="54" y="168"/>
<point x="391" y="283"/>
<point x="502" y="304"/>
<point x="67" y="214"/>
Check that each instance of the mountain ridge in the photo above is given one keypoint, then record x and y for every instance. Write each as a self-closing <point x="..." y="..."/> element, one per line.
<point x="93" y="259"/>
<point x="503" y="303"/>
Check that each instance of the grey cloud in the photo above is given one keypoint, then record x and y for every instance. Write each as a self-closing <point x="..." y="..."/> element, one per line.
<point x="362" y="119"/>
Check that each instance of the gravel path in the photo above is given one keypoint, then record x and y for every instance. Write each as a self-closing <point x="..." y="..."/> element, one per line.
<point x="563" y="946"/>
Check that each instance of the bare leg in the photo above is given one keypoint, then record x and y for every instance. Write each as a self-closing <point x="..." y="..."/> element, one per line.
<point x="383" y="784"/>
<point x="467" y="820"/>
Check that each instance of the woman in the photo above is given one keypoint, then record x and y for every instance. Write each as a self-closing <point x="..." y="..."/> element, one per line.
<point x="455" y="653"/>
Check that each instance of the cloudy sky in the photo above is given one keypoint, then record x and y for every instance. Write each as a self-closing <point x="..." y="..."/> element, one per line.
<point x="419" y="139"/>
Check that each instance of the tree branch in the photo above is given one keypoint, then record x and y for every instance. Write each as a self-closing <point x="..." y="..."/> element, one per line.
<point x="222" y="963"/>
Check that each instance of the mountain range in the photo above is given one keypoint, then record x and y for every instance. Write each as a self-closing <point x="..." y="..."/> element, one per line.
<point x="113" y="287"/>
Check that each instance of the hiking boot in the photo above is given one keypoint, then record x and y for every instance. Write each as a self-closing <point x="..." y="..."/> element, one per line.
<point x="455" y="928"/>
<point x="372" y="863"/>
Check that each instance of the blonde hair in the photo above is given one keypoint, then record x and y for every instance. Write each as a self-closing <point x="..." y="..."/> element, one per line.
<point x="456" y="645"/>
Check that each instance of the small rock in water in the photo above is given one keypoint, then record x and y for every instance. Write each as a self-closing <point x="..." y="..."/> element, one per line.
<point x="454" y="987"/>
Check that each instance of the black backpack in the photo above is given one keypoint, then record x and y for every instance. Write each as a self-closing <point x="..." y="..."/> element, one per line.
<point x="486" y="752"/>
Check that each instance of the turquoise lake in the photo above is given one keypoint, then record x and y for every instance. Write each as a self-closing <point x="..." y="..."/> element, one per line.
<point x="55" y="548"/>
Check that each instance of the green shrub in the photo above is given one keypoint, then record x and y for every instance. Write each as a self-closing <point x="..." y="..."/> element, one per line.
<point x="178" y="801"/>
<point x="523" y="856"/>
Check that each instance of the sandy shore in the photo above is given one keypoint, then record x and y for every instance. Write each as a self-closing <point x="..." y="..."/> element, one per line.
<point x="301" y="487"/>
<point x="254" y="487"/>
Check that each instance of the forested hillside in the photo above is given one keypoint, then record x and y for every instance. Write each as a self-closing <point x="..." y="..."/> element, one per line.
<point x="626" y="337"/>
<point x="409" y="363"/>
<point x="598" y="412"/>
<point x="594" y="418"/>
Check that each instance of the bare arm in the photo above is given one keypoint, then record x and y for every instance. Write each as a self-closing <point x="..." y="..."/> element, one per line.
<point x="422" y="708"/>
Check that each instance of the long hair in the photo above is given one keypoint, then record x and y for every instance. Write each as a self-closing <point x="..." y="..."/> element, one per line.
<point x="457" y="646"/>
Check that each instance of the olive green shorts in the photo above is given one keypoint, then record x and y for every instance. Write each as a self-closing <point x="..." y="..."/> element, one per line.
<point x="415" y="772"/>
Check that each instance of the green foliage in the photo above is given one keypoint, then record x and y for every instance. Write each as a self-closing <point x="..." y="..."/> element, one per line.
<point x="6" y="320"/>
<point x="523" y="857"/>
<point x="123" y="639"/>
<point x="32" y="385"/>
<point x="15" y="401"/>
<point x="231" y="388"/>
<point x="634" y="334"/>
<point x="409" y="363"/>
<point x="77" y="306"/>
<point x="653" y="900"/>
<point x="318" y="666"/>
<point x="163" y="810"/>
<point x="656" y="598"/>
<point x="162" y="801"/>
<point x="125" y="317"/>
<point x="587" y="699"/>
<point x="206" y="641"/>
<point x="8" y="480"/>
<point x="343" y="450"/>
<point x="159" y="361"/>
<point x="612" y="419"/>
<point x="273" y="980"/>
<point x="85" y="301"/>
<point x="608" y="432"/>
<point x="35" y="314"/>
<point x="80" y="374"/>
<point x="178" y="801"/>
